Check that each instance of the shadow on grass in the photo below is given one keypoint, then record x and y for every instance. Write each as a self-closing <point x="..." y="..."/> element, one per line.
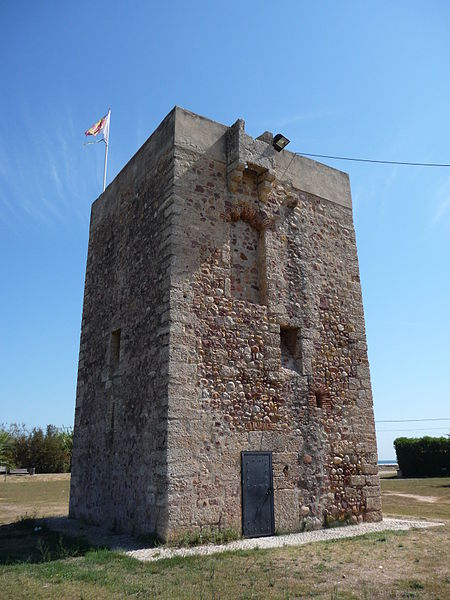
<point x="30" y="540"/>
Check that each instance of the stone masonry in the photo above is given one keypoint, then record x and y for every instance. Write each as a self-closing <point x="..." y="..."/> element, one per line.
<point x="222" y="313"/>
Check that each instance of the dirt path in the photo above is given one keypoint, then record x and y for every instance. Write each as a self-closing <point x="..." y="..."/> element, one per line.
<point x="413" y="496"/>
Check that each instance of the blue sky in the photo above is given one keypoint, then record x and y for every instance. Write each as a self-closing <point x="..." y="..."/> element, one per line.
<point x="348" y="78"/>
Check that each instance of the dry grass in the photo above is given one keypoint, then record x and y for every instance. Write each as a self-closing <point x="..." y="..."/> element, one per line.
<point x="396" y="565"/>
<point x="412" y="497"/>
<point x="36" y="496"/>
<point x="391" y="565"/>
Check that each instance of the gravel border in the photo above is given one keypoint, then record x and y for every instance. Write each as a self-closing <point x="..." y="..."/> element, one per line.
<point x="294" y="539"/>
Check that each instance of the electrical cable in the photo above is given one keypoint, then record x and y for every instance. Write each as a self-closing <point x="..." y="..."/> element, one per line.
<point x="413" y="429"/>
<point x="412" y="420"/>
<point x="370" y="160"/>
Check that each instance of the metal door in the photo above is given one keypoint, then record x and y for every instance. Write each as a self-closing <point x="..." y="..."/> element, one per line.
<point x="257" y="494"/>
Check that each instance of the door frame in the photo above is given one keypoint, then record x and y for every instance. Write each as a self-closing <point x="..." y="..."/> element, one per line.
<point x="245" y="453"/>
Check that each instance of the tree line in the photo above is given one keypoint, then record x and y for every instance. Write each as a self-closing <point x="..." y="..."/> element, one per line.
<point x="47" y="451"/>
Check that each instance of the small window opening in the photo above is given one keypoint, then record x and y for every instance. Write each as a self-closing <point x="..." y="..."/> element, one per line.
<point x="319" y="400"/>
<point x="244" y="243"/>
<point x="290" y="352"/>
<point x="320" y="397"/>
<point x="114" y="350"/>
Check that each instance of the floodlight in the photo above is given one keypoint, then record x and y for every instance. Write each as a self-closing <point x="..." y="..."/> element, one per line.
<point x="280" y="142"/>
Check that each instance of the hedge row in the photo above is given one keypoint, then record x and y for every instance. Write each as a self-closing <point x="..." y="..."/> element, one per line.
<point x="423" y="457"/>
<point x="48" y="451"/>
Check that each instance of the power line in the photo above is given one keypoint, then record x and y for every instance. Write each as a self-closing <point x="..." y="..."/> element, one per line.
<point x="383" y="162"/>
<point x="427" y="429"/>
<point x="412" y="420"/>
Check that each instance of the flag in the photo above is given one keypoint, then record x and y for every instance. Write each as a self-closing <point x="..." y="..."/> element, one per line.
<point x="102" y="126"/>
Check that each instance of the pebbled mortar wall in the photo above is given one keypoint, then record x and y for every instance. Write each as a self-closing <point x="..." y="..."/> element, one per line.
<point x="298" y="268"/>
<point x="119" y="467"/>
<point x="204" y="246"/>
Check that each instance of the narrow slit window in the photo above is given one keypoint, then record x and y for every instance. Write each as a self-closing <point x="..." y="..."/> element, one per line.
<point x="290" y="353"/>
<point x="319" y="399"/>
<point x="114" y="350"/>
<point x="244" y="262"/>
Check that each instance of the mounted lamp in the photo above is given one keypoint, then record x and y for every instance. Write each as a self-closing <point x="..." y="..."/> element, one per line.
<point x="280" y="142"/>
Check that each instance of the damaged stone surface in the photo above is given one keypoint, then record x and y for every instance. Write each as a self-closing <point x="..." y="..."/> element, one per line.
<point x="233" y="282"/>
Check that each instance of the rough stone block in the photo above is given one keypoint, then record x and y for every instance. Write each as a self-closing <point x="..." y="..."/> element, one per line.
<point x="373" y="516"/>
<point x="357" y="480"/>
<point x="287" y="516"/>
<point x="373" y="503"/>
<point x="369" y="469"/>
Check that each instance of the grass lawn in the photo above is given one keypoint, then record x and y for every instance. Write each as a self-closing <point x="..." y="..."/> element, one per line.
<point x="425" y="498"/>
<point x="37" y="496"/>
<point x="410" y="564"/>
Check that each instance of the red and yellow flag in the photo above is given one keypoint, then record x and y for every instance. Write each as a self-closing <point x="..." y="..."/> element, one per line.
<point x="99" y="127"/>
<point x="102" y="126"/>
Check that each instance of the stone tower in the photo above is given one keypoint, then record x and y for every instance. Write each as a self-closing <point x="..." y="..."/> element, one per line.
<point x="223" y="375"/>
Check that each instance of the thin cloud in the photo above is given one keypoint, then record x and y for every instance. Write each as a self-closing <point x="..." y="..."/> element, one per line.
<point x="355" y="205"/>
<point x="385" y="193"/>
<point x="308" y="116"/>
<point x="279" y="122"/>
<point x="10" y="208"/>
<point x="443" y="204"/>
<point x="140" y="131"/>
<point x="54" y="190"/>
<point x="441" y="209"/>
<point x="3" y="162"/>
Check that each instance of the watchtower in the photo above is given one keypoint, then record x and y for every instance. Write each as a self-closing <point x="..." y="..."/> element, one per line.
<point x="223" y="375"/>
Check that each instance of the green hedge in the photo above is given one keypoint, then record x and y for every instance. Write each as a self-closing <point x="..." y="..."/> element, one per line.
<point x="423" y="457"/>
<point x="48" y="451"/>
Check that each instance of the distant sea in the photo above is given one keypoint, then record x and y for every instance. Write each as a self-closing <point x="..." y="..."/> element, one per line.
<point x="393" y="461"/>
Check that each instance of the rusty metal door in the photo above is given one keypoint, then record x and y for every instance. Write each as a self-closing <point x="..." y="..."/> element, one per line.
<point x="257" y="494"/>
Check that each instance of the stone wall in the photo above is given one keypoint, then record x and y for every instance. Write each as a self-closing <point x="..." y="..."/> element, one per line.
<point x="119" y="470"/>
<point x="236" y="290"/>
<point x="266" y="273"/>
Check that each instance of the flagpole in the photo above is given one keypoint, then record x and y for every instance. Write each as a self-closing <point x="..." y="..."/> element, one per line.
<point x="106" y="162"/>
<point x="106" y="151"/>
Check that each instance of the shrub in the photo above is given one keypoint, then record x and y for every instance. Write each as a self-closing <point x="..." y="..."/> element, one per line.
<point x="6" y="449"/>
<point x="47" y="452"/>
<point x="423" y="457"/>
